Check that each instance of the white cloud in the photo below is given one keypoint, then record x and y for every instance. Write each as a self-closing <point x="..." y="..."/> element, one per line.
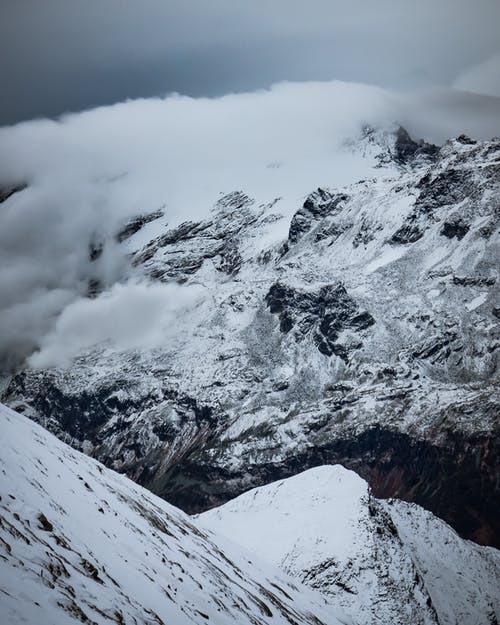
<point x="127" y="316"/>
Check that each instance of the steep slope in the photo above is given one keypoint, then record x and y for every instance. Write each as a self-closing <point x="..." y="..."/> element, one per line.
<point x="360" y="328"/>
<point x="383" y="561"/>
<point x="80" y="543"/>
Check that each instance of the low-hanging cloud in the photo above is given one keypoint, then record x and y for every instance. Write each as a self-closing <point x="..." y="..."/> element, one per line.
<point x="87" y="173"/>
<point x="128" y="316"/>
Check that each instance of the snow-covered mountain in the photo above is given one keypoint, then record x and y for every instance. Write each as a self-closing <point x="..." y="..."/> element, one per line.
<point x="382" y="561"/>
<point x="82" y="544"/>
<point x="358" y="326"/>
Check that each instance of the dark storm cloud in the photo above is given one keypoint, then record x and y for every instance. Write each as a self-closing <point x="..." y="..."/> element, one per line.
<point x="60" y="55"/>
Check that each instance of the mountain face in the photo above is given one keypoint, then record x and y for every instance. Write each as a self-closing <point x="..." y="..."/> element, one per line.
<point x="359" y="327"/>
<point x="81" y="544"/>
<point x="382" y="561"/>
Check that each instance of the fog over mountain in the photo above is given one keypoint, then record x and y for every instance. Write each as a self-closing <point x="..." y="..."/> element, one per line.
<point x="87" y="173"/>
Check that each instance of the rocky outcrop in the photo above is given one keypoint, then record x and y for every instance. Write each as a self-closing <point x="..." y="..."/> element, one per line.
<point x="317" y="205"/>
<point x="8" y="190"/>
<point x="135" y="224"/>
<point x="180" y="252"/>
<point x="324" y="314"/>
<point x="406" y="149"/>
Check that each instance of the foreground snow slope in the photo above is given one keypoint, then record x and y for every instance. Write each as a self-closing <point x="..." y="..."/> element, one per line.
<point x="385" y="562"/>
<point x="80" y="543"/>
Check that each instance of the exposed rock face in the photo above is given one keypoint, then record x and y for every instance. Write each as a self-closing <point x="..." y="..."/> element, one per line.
<point x="325" y="312"/>
<point x="363" y="331"/>
<point x="448" y="187"/>
<point x="181" y="251"/>
<point x="134" y="225"/>
<point x="318" y="205"/>
<point x="7" y="191"/>
<point x="406" y="150"/>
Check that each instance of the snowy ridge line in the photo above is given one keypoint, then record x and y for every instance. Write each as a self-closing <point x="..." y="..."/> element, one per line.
<point x="80" y="543"/>
<point x="382" y="561"/>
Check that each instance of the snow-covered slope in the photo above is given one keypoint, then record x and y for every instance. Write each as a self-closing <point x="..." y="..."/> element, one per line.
<point x="358" y="326"/>
<point x="80" y="543"/>
<point x="383" y="561"/>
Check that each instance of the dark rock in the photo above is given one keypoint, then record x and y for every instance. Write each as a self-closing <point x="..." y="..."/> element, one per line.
<point x="455" y="229"/>
<point x="330" y="231"/>
<point x="410" y="232"/>
<point x="94" y="288"/>
<point x="448" y="187"/>
<point x="45" y="524"/>
<point x="465" y="140"/>
<point x="229" y="259"/>
<point x="317" y="205"/>
<point x="135" y="224"/>
<point x="438" y="348"/>
<point x="6" y="192"/>
<point x="325" y="313"/>
<point x="192" y="243"/>
<point x="96" y="249"/>
<point x="474" y="281"/>
<point x="365" y="233"/>
<point x="488" y="229"/>
<point x="406" y="149"/>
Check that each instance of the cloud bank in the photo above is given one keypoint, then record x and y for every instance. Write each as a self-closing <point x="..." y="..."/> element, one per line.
<point x="127" y="316"/>
<point x="87" y="173"/>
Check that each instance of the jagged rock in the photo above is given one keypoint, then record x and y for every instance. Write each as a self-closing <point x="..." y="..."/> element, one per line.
<point x="318" y="204"/>
<point x="406" y="149"/>
<point x="474" y="280"/>
<point x="7" y="191"/>
<point x="448" y="187"/>
<point x="94" y="288"/>
<point x="180" y="252"/>
<point x="324" y="313"/>
<point x="466" y="140"/>
<point x="96" y="249"/>
<point x="456" y="229"/>
<point x="137" y="223"/>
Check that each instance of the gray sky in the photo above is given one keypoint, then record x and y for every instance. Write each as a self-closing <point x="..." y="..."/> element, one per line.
<point x="68" y="55"/>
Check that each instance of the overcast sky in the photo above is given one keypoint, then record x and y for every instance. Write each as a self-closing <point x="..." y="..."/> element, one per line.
<point x="69" y="55"/>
